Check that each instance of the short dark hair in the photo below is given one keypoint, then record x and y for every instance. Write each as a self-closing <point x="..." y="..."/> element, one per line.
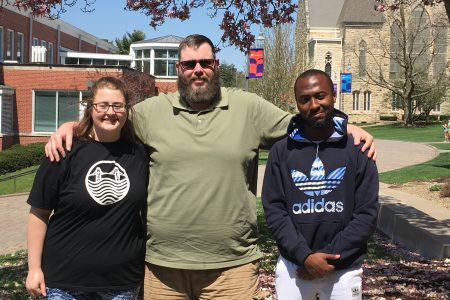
<point x="195" y="41"/>
<point x="315" y="72"/>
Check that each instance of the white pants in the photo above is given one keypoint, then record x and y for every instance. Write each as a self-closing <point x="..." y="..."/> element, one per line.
<point x="342" y="284"/>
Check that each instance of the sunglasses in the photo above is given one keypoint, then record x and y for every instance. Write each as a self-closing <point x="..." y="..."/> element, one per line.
<point x="204" y="63"/>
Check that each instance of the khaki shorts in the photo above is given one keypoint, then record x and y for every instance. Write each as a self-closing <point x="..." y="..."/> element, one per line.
<point x="235" y="283"/>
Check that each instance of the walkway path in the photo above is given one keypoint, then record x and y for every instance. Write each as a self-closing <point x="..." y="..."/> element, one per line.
<point x="391" y="155"/>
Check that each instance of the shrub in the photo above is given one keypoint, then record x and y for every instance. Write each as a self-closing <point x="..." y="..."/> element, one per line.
<point x="20" y="156"/>
<point x="388" y="118"/>
<point x="435" y="188"/>
<point x="445" y="191"/>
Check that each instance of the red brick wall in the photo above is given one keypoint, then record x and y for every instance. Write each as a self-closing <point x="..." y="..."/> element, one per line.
<point x="68" y="41"/>
<point x="43" y="32"/>
<point x="25" y="79"/>
<point x="166" y="87"/>
<point x="86" y="47"/>
<point x="18" y="23"/>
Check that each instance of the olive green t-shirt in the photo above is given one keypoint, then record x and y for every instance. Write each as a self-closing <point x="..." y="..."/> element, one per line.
<point x="203" y="167"/>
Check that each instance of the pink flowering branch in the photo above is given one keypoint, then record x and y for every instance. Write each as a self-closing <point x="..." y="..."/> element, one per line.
<point x="237" y="15"/>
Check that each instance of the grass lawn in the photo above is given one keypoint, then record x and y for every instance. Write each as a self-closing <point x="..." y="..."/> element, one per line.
<point x="263" y="154"/>
<point x="13" y="271"/>
<point x="23" y="184"/>
<point x="425" y="134"/>
<point x="438" y="167"/>
<point x="441" y="146"/>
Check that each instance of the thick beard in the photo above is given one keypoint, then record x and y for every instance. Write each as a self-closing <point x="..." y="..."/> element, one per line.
<point x="208" y="93"/>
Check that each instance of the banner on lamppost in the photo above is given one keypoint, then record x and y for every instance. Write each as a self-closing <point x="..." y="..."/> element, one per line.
<point x="346" y="82"/>
<point x="255" y="63"/>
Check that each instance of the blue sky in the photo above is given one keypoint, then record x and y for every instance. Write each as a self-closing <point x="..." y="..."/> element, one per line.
<point x="110" y="20"/>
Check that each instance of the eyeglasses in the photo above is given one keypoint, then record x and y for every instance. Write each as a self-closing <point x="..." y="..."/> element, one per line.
<point x="204" y="63"/>
<point x="103" y="107"/>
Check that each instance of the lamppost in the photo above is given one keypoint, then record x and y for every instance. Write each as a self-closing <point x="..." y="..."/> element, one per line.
<point x="255" y="59"/>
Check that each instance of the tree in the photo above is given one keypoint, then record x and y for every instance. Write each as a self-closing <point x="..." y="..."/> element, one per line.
<point x="237" y="15"/>
<point x="410" y="62"/>
<point x="428" y="101"/>
<point x="385" y="5"/>
<point x="279" y="69"/>
<point x="230" y="76"/>
<point x="128" y="38"/>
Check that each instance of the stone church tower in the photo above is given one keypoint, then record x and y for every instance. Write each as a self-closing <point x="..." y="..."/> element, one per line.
<point x="345" y="36"/>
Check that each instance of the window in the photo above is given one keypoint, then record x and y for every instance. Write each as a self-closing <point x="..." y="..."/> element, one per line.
<point x="419" y="34"/>
<point x="441" y="50"/>
<point x="19" y="55"/>
<point x="50" y="53"/>
<point x="10" y="45"/>
<point x="165" y="62"/>
<point x="328" y="61"/>
<point x="367" y="100"/>
<point x="7" y="114"/>
<point x="395" y="102"/>
<point x="395" y="56"/>
<point x="355" y="100"/>
<point x="362" y="58"/>
<point x="35" y="42"/>
<point x="1" y="43"/>
<point x="437" y="108"/>
<point x="143" y="60"/>
<point x="52" y="108"/>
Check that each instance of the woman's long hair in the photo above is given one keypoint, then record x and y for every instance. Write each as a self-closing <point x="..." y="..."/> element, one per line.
<point x="84" y="129"/>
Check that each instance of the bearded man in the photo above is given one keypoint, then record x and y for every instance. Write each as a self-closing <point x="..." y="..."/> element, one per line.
<point x="203" y="144"/>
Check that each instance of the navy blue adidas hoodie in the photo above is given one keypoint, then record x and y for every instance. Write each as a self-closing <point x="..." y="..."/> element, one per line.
<point x="320" y="196"/>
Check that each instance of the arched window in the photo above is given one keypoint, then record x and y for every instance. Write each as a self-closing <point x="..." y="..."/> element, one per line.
<point x="328" y="61"/>
<point x="395" y="53"/>
<point x="419" y="32"/>
<point x="367" y="100"/>
<point x="355" y="100"/>
<point x="441" y="49"/>
<point x="395" y="102"/>
<point x="362" y="58"/>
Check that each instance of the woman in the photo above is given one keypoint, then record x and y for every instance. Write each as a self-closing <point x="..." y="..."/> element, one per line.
<point x="86" y="235"/>
<point x="446" y="131"/>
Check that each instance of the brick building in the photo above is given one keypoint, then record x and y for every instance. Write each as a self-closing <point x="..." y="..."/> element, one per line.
<point x="35" y="99"/>
<point x="20" y="31"/>
<point x="37" y="91"/>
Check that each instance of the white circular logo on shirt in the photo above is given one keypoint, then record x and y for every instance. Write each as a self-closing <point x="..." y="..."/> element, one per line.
<point x="107" y="182"/>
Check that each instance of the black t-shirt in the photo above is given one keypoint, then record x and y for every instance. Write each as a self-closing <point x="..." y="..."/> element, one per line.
<point x="95" y="238"/>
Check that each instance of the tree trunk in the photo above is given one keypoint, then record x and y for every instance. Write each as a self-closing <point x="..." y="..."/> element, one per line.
<point x="447" y="8"/>
<point x="300" y="39"/>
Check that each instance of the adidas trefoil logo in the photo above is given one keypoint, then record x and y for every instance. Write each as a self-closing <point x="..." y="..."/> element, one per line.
<point x="317" y="184"/>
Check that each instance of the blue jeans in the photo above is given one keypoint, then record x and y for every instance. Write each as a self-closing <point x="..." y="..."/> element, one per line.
<point x="60" y="294"/>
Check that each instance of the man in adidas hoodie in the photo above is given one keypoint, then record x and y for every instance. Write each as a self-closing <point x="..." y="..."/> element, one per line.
<point x="320" y="198"/>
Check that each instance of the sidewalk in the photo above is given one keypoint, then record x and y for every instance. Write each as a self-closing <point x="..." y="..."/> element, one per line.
<point x="13" y="220"/>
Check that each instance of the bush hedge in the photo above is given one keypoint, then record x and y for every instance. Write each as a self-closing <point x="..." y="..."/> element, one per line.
<point x="388" y="118"/>
<point x="20" y="156"/>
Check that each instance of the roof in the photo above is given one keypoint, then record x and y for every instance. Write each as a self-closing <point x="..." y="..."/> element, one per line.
<point x="359" y="12"/>
<point x="324" y="13"/>
<point x="163" y="39"/>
